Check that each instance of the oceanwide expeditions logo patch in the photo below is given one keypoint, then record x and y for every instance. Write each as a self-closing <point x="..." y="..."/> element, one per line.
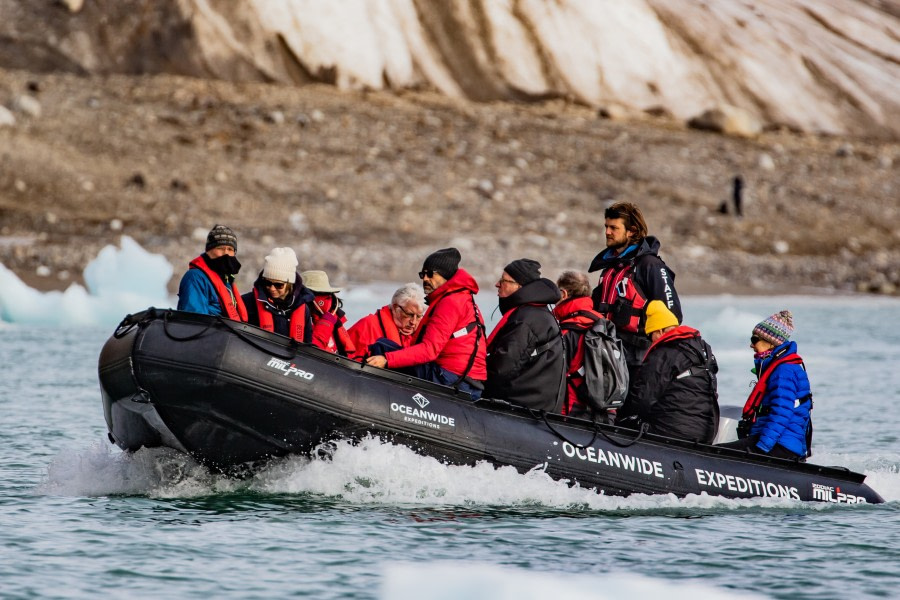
<point x="416" y="414"/>
<point x="288" y="369"/>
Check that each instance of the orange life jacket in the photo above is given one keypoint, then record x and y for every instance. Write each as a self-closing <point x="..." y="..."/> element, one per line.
<point x="230" y="299"/>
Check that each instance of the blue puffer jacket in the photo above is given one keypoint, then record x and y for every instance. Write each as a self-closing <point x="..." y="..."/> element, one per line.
<point x="784" y="414"/>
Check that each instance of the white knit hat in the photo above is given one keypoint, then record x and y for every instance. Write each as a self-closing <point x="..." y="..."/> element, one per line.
<point x="281" y="265"/>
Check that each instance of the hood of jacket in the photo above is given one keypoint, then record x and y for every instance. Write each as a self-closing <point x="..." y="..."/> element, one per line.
<point x="539" y="291"/>
<point x="461" y="280"/>
<point x="606" y="258"/>
<point x="568" y="307"/>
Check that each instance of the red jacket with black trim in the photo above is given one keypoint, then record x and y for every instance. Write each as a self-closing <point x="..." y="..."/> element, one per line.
<point x="451" y="308"/>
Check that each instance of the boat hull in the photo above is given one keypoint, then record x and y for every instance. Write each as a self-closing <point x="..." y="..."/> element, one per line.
<point x="231" y="395"/>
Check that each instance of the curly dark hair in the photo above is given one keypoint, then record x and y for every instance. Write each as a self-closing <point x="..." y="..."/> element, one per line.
<point x="632" y="217"/>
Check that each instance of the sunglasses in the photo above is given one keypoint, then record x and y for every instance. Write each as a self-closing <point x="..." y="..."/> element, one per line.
<point x="755" y="339"/>
<point x="412" y="316"/>
<point x="426" y="273"/>
<point x="278" y="285"/>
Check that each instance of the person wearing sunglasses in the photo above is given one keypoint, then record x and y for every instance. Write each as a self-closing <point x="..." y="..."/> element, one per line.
<point x="776" y="419"/>
<point x="279" y="301"/>
<point x="208" y="285"/>
<point x="392" y="326"/>
<point x="526" y="359"/>
<point x="449" y="348"/>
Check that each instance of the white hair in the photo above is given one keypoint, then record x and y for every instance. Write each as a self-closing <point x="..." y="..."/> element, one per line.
<point x="409" y="291"/>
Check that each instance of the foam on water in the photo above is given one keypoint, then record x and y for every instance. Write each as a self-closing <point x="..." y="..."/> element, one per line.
<point x="478" y="581"/>
<point x="373" y="472"/>
<point x="119" y="281"/>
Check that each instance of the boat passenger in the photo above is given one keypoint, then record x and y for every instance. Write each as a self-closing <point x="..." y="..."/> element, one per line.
<point x="279" y="301"/>
<point x="327" y="315"/>
<point x="526" y="360"/>
<point x="675" y="393"/>
<point x="776" y="419"/>
<point x="208" y="285"/>
<point x="575" y="313"/>
<point x="631" y="275"/>
<point x="392" y="326"/>
<point x="450" y="342"/>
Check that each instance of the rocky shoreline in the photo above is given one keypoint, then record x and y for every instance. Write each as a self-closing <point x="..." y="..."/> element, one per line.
<point x="365" y="184"/>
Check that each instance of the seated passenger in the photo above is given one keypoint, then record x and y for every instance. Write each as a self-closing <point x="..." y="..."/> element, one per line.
<point x="526" y="361"/>
<point x="776" y="418"/>
<point x="208" y="285"/>
<point x="327" y="315"/>
<point x="575" y="313"/>
<point x="450" y="346"/>
<point x="395" y="323"/>
<point x="675" y="391"/>
<point x="279" y="301"/>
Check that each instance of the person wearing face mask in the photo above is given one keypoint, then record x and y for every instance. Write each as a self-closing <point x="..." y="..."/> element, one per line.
<point x="279" y="301"/>
<point x="208" y="285"/>
<point x="391" y="327"/>
<point x="327" y="315"/>
<point x="526" y="360"/>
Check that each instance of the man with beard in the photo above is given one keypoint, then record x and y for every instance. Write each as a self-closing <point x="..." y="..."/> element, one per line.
<point x="449" y="347"/>
<point x="208" y="286"/>
<point x="526" y="362"/>
<point x="631" y="275"/>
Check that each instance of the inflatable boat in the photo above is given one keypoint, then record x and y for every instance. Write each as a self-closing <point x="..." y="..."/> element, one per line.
<point x="232" y="396"/>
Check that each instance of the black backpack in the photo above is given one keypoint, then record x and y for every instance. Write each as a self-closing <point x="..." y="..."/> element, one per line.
<point x="603" y="367"/>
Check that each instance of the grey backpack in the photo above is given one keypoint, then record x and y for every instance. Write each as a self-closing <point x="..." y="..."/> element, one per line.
<point x="603" y="367"/>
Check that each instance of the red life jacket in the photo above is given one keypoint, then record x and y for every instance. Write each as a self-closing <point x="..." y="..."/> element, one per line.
<point x="298" y="318"/>
<point x="754" y="401"/>
<point x="230" y="299"/>
<point x="625" y="301"/>
<point x="575" y="316"/>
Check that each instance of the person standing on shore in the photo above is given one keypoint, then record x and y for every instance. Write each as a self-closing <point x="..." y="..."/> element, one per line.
<point x="208" y="285"/>
<point x="631" y="275"/>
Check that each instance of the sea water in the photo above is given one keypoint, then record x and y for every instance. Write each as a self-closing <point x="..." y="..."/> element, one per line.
<point x="81" y="519"/>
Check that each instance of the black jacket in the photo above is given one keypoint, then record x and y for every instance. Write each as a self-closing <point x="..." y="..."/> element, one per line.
<point x="653" y="278"/>
<point x="281" y="312"/>
<point x="526" y="361"/>
<point x="675" y="391"/>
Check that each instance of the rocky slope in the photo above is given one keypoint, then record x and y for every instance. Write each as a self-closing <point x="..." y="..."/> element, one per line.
<point x="826" y="67"/>
<point x="364" y="184"/>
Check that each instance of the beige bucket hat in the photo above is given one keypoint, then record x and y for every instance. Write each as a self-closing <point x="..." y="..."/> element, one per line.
<point x="317" y="281"/>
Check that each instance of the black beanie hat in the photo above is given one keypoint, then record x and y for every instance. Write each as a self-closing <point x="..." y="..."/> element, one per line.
<point x="444" y="262"/>
<point x="220" y="235"/>
<point x="524" y="270"/>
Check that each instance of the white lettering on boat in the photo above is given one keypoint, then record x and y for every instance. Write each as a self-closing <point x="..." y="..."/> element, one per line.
<point x="418" y="416"/>
<point x="827" y="493"/>
<point x="288" y="368"/>
<point x="742" y="485"/>
<point x="618" y="460"/>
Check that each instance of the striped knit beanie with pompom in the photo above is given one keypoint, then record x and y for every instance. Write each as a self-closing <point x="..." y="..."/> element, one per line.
<point x="776" y="329"/>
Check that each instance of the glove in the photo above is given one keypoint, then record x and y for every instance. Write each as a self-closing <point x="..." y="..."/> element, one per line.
<point x="743" y="428"/>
